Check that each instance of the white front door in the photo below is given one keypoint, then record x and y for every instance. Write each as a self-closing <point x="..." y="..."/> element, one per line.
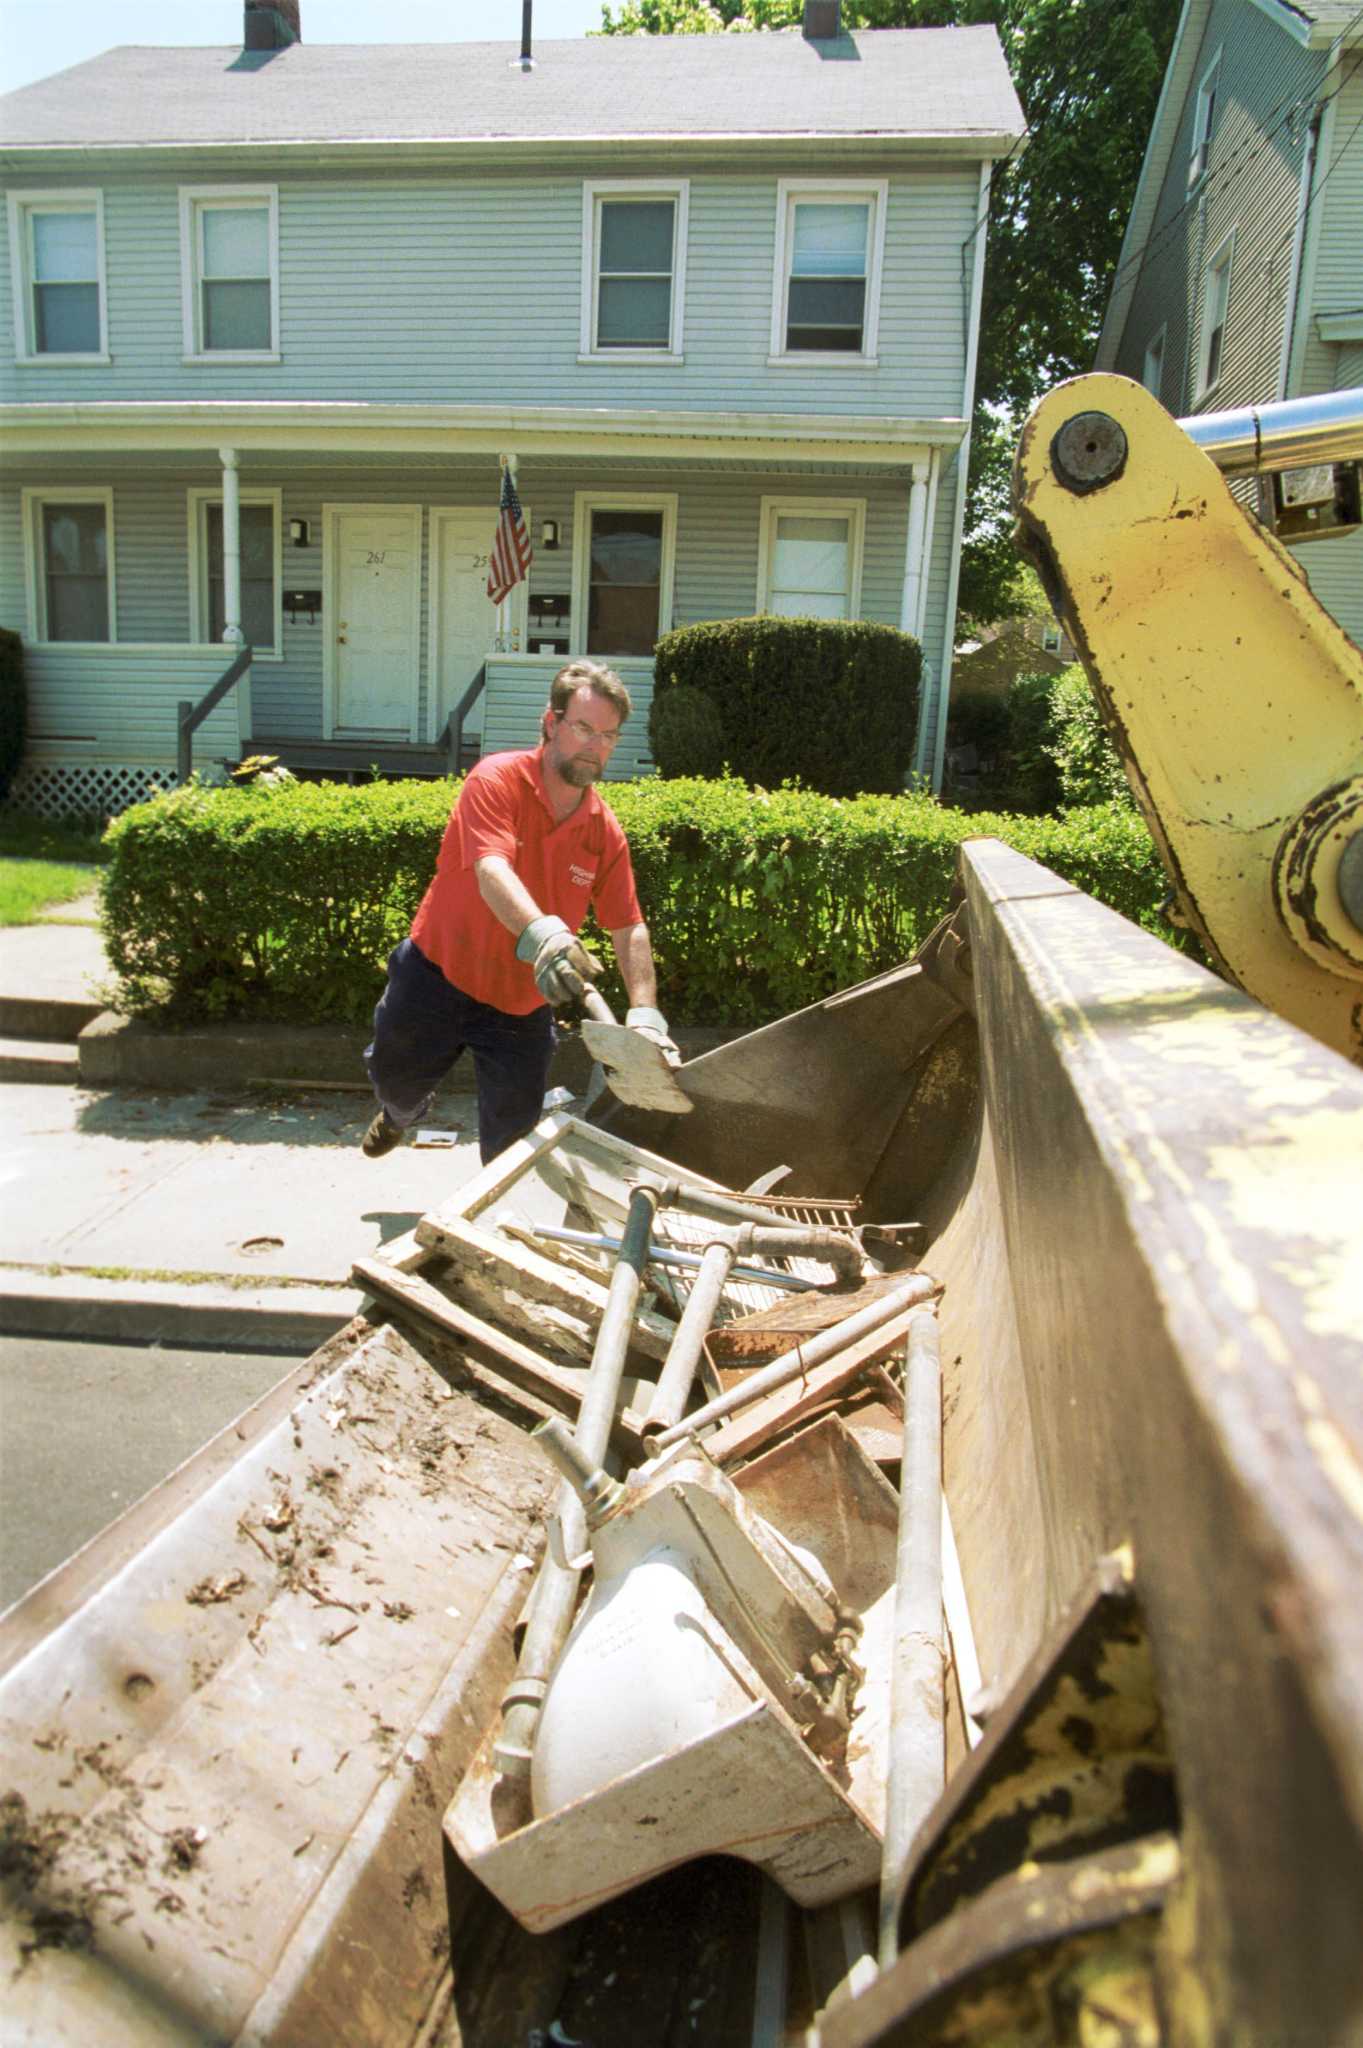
<point x="463" y="616"/>
<point x="373" y="605"/>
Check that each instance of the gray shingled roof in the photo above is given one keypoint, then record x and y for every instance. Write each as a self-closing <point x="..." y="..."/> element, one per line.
<point x="950" y="83"/>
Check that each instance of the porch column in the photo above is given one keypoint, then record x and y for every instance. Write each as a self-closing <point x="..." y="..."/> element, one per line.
<point x="911" y="609"/>
<point x="231" y="550"/>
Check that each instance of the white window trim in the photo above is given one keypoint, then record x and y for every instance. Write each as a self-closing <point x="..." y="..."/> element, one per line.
<point x="584" y="504"/>
<point x="593" y="191"/>
<point x="1159" y="341"/>
<point x="192" y="199"/>
<point x="1222" y="258"/>
<point x="1199" y="154"/>
<point x="838" y="190"/>
<point x="198" y="501"/>
<point x="851" y="509"/>
<point x="21" y="206"/>
<point x="34" y="499"/>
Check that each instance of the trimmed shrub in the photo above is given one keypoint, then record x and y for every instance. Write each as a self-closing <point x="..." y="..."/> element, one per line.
<point x="828" y="703"/>
<point x="13" y="708"/>
<point x="1030" y="781"/>
<point x="685" y="732"/>
<point x="286" y="902"/>
<point x="1089" y="766"/>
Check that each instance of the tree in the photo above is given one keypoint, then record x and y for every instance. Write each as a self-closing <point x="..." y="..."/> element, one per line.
<point x="1088" y="74"/>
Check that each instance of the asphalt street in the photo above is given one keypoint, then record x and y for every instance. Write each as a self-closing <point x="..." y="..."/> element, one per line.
<point x="87" y="1428"/>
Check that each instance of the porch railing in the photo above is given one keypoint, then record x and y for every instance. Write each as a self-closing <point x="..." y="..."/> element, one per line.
<point x="191" y="716"/>
<point x="454" y="725"/>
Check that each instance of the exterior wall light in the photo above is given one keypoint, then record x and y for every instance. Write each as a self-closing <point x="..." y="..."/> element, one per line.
<point x="298" y="532"/>
<point x="549" y="533"/>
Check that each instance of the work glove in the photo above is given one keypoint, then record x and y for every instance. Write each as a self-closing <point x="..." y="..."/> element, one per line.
<point x="652" y="1025"/>
<point x="561" y="965"/>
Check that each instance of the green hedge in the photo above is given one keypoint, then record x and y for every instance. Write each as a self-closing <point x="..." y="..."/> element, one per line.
<point x="829" y="703"/>
<point x="286" y="902"/>
<point x="13" y="708"/>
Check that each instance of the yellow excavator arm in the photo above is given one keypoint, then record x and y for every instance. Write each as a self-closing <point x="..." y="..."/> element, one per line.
<point x="1233" y="697"/>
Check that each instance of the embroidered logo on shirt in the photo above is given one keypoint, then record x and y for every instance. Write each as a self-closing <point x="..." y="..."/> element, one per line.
<point x="580" y="877"/>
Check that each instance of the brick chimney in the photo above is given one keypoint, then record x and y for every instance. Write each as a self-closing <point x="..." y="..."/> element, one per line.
<point x="821" y="22"/>
<point x="271" y="24"/>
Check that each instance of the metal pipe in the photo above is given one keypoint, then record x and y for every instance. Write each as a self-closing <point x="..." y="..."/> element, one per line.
<point x="791" y="1364"/>
<point x="675" y="1381"/>
<point x="549" y="1612"/>
<point x="667" y="1255"/>
<point x="917" y="1756"/>
<point x="1293" y="433"/>
<point x="680" y="1194"/>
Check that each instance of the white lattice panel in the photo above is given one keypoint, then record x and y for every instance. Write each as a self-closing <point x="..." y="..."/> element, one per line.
<point x="84" y="789"/>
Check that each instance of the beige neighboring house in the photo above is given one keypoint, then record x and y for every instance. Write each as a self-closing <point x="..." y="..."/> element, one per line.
<point x="987" y="667"/>
<point x="1241" y="276"/>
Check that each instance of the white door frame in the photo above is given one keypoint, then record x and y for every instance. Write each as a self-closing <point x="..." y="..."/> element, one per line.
<point x="331" y="516"/>
<point x="518" y="603"/>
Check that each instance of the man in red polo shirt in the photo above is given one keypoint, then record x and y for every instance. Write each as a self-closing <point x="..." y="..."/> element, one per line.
<point x="529" y="846"/>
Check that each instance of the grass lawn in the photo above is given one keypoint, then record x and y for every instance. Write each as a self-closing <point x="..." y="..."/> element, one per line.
<point x="42" y="864"/>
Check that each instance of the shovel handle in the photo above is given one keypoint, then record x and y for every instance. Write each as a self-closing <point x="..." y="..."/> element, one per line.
<point x="596" y="1006"/>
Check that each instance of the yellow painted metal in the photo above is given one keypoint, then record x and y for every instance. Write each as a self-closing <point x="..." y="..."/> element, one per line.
<point x="1234" y="698"/>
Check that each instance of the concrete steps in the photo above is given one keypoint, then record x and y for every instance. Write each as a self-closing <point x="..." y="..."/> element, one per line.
<point x="38" y="1038"/>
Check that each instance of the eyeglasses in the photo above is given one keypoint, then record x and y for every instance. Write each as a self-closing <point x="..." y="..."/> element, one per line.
<point x="587" y="733"/>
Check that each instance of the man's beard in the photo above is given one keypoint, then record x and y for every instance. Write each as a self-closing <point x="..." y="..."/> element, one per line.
<point x="581" y="771"/>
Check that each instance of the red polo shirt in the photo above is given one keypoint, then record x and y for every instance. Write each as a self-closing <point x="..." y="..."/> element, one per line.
<point x="503" y="809"/>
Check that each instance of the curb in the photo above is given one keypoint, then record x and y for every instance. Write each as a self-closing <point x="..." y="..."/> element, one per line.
<point x="287" y="1319"/>
<point x="128" y="1052"/>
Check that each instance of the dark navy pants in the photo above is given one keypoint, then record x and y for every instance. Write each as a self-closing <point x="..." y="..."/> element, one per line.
<point x="421" y="1026"/>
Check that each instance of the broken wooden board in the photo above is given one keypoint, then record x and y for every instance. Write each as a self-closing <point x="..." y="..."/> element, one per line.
<point x="755" y="1426"/>
<point x="756" y="1339"/>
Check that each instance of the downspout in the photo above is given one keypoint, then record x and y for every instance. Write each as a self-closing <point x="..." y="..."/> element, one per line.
<point x="1310" y="224"/>
<point x="231" y="550"/>
<point x="1308" y="171"/>
<point x="939" y="739"/>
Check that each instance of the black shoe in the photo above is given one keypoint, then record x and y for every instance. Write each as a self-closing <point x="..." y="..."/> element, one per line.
<point x="383" y="1134"/>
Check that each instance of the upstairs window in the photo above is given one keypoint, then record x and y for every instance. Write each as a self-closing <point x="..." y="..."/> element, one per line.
<point x="229" y="260"/>
<point x="810" y="557"/>
<point x="57" y="249"/>
<point x="1215" y="303"/>
<point x="633" y="268"/>
<point x="69" y="537"/>
<point x="1204" y="120"/>
<point x="830" y="240"/>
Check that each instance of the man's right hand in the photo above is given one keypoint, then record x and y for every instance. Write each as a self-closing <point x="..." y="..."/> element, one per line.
<point x="561" y="965"/>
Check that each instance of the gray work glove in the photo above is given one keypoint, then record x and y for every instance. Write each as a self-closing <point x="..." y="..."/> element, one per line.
<point x="652" y="1024"/>
<point x="562" y="967"/>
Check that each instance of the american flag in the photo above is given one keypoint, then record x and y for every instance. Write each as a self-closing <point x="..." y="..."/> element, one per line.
<point x="511" y="553"/>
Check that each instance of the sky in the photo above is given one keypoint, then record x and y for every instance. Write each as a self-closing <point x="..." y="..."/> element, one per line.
<point x="38" y="37"/>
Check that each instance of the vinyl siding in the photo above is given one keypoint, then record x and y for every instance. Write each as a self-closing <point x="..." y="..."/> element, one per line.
<point x="1251" y="191"/>
<point x="465" y="289"/>
<point x="121" y="703"/>
<point x="1336" y="283"/>
<point x="716" y="573"/>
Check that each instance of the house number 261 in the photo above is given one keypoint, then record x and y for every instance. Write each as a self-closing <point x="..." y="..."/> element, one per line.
<point x="380" y="558"/>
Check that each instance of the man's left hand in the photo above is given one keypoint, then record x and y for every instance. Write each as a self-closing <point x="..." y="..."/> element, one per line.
<point x="652" y="1024"/>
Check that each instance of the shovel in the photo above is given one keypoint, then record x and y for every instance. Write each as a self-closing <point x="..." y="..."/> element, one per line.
<point x="636" y="1069"/>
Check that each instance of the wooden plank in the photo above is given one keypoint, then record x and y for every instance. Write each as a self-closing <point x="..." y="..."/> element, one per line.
<point x="505" y="1263"/>
<point x="516" y="1362"/>
<point x="788" y="1404"/>
<point x="407" y="1252"/>
<point x="756" y="1339"/>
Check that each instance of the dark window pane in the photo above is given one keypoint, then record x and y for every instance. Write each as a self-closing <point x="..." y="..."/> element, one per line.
<point x="625" y="573"/>
<point x="236" y="315"/>
<point x="627" y="547"/>
<point x="257" y="620"/>
<point x="75" y="562"/>
<point x="66" y="317"/>
<point x="825" y="313"/>
<point x="636" y="235"/>
<point x="622" y="621"/>
<point x="636" y="312"/>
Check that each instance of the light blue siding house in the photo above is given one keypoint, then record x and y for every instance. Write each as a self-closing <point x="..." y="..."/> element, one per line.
<point x="1241" y="277"/>
<point x="277" y="315"/>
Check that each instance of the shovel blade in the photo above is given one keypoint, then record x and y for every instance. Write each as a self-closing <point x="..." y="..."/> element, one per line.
<point x="636" y="1070"/>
